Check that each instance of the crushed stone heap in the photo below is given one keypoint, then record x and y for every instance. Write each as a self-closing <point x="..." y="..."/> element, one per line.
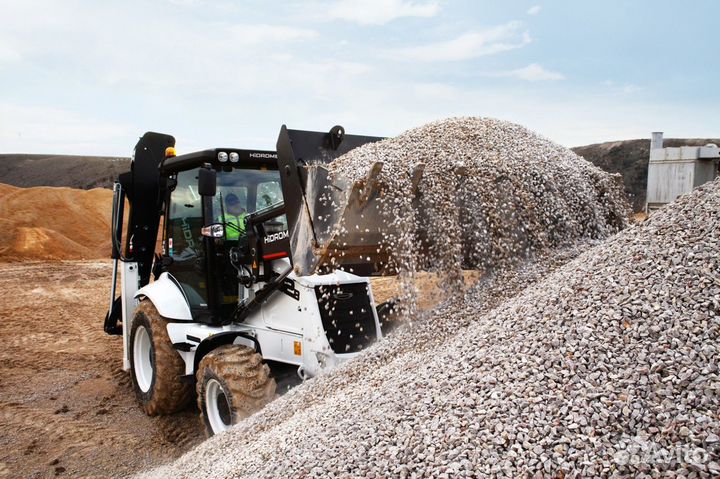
<point x="490" y="192"/>
<point x="605" y="366"/>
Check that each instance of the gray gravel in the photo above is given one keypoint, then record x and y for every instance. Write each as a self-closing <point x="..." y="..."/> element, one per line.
<point x="491" y="193"/>
<point x="598" y="364"/>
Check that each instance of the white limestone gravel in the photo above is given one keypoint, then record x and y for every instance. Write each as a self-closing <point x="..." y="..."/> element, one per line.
<point x="491" y="193"/>
<point x="605" y="365"/>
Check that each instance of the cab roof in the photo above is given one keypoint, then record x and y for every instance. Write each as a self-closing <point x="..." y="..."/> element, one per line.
<point x="247" y="159"/>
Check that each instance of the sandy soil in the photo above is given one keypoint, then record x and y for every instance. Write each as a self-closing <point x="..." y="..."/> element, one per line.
<point x="54" y="223"/>
<point x="66" y="407"/>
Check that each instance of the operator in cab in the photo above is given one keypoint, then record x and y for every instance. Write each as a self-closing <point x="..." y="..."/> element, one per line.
<point x="234" y="217"/>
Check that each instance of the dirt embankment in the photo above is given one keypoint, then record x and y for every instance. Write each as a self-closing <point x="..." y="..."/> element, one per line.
<point x="83" y="172"/>
<point x="628" y="157"/>
<point x="46" y="223"/>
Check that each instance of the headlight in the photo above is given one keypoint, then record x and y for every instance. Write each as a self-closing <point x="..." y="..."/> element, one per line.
<point x="222" y="157"/>
<point x="234" y="157"/>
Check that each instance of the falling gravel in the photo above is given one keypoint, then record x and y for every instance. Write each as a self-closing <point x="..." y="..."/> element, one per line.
<point x="588" y="358"/>
<point x="473" y="193"/>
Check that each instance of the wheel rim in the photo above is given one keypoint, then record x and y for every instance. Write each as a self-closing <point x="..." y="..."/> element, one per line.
<point x="142" y="359"/>
<point x="218" y="406"/>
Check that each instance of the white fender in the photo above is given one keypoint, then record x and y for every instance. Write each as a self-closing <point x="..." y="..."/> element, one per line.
<point x="167" y="297"/>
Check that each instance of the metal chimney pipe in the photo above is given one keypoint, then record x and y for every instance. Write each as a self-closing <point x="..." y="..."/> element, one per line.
<point x="657" y="140"/>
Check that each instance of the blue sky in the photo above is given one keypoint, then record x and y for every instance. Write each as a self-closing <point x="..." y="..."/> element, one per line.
<point x="89" y="77"/>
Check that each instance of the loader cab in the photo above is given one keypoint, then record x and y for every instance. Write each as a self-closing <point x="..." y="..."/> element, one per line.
<point x="246" y="182"/>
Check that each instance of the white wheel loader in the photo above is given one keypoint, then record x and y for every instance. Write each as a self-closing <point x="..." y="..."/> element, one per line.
<point x="222" y="273"/>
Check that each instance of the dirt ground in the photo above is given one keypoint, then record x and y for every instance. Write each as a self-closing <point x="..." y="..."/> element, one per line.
<point x="66" y="407"/>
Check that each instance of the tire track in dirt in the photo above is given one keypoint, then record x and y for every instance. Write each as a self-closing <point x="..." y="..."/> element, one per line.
<point x="60" y="425"/>
<point x="66" y="406"/>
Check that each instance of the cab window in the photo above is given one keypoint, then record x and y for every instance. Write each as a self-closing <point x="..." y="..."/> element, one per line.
<point x="184" y="238"/>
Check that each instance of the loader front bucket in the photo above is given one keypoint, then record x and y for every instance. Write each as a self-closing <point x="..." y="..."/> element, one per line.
<point x="333" y="223"/>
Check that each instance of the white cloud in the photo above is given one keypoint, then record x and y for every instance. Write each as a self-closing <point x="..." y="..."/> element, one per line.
<point x="624" y="89"/>
<point x="436" y="91"/>
<point x="8" y="54"/>
<point x="119" y="71"/>
<point x="470" y="45"/>
<point x="534" y="10"/>
<point x="532" y="72"/>
<point x="263" y="33"/>
<point x="380" y="12"/>
<point x="233" y="79"/>
<point x="185" y="3"/>
<point x="133" y="53"/>
<point x="630" y="88"/>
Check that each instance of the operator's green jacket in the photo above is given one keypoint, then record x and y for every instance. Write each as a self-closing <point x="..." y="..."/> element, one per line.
<point x="239" y="221"/>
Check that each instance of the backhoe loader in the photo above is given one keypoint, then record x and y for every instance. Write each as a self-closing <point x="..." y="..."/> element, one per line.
<point x="224" y="273"/>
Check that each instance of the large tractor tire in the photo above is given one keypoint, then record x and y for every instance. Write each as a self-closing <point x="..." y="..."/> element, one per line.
<point x="232" y="383"/>
<point x="155" y="366"/>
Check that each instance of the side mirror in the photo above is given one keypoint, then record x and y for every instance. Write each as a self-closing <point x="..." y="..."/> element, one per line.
<point x="207" y="182"/>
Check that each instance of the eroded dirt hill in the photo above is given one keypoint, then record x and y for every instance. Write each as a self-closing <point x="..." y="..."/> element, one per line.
<point x="46" y="223"/>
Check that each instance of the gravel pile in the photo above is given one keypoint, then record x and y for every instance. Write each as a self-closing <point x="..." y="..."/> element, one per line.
<point x="602" y="365"/>
<point x="490" y="193"/>
<point x="607" y="366"/>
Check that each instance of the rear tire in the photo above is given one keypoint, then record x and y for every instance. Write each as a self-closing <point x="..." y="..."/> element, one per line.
<point x="232" y="384"/>
<point x="155" y="366"/>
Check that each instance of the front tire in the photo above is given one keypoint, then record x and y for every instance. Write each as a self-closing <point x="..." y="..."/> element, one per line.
<point x="155" y="366"/>
<point x="232" y="384"/>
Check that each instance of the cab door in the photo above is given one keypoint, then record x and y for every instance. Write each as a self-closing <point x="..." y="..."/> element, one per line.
<point x="184" y="241"/>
